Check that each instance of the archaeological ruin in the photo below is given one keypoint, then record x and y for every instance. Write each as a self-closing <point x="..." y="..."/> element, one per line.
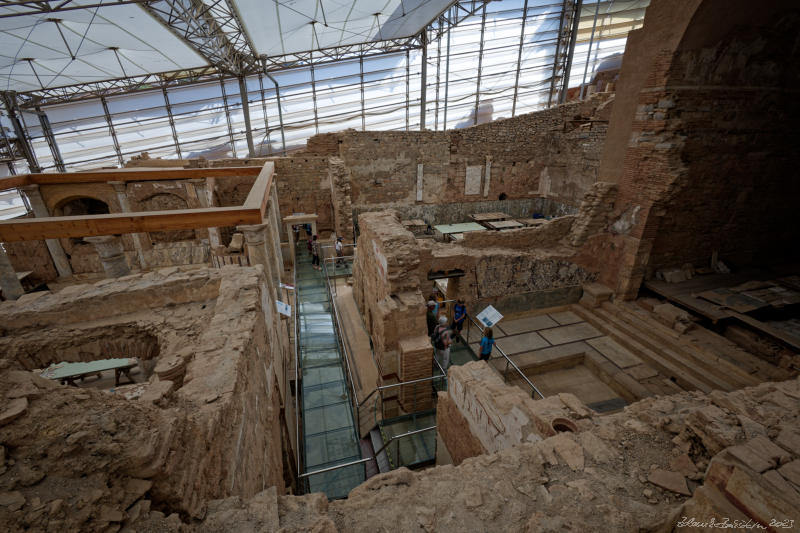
<point x="508" y="265"/>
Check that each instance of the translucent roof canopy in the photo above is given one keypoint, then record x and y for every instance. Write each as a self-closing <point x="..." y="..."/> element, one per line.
<point x="285" y="27"/>
<point x="76" y="46"/>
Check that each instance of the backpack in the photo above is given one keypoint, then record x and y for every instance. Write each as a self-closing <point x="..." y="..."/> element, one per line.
<point x="436" y="338"/>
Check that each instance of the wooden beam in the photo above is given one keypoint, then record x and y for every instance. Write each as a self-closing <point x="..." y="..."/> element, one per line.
<point x="119" y="223"/>
<point x="258" y="197"/>
<point x="102" y="176"/>
<point x="12" y="182"/>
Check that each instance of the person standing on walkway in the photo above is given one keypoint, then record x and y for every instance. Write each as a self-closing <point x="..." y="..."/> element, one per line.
<point x="431" y="317"/>
<point x="315" y="253"/>
<point x="441" y="342"/>
<point x="459" y="317"/>
<point x="339" y="252"/>
<point x="486" y="344"/>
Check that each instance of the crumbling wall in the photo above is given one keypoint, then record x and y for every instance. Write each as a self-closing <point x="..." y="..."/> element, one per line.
<point x="32" y="256"/>
<point x="304" y="186"/>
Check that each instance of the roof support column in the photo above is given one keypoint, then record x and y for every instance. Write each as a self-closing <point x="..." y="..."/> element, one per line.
<point x="519" y="58"/>
<point x="314" y="93"/>
<point x="576" y="19"/>
<point x="266" y="120"/>
<point x="423" y="101"/>
<point x="408" y="86"/>
<point x="228" y="117"/>
<point x="363" y="110"/>
<point x="447" y="71"/>
<point x="480" y="64"/>
<point x="111" y="131"/>
<point x="171" y="122"/>
<point x="39" y="209"/>
<point x="47" y="130"/>
<point x="248" y="130"/>
<point x="10" y="100"/>
<point x="280" y="111"/>
<point x="438" y="74"/>
<point x="589" y="53"/>
<point x="557" y="55"/>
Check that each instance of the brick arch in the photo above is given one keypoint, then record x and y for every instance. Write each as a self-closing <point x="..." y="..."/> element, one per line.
<point x="709" y="158"/>
<point x="166" y="201"/>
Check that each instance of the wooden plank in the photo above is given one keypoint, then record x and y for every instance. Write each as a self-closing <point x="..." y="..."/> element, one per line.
<point x="618" y="355"/>
<point x="775" y="333"/>
<point x="102" y="176"/>
<point x="13" y="182"/>
<point x="119" y="223"/>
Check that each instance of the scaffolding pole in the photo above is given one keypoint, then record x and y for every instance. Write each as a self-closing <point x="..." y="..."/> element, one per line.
<point x="480" y="64"/>
<point x="438" y="74"/>
<point x="47" y="131"/>
<point x="111" y="131"/>
<point x="248" y="130"/>
<point x="171" y="122"/>
<point x="519" y="58"/>
<point x="408" y="86"/>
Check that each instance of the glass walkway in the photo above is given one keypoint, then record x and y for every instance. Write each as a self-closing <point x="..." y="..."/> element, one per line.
<point x="329" y="432"/>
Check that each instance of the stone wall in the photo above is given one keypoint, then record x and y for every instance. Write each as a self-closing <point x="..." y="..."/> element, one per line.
<point x="32" y="256"/>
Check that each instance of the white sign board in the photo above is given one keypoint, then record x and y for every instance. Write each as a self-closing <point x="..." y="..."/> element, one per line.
<point x="472" y="184"/>
<point x="287" y="287"/>
<point x="489" y="316"/>
<point x="284" y="309"/>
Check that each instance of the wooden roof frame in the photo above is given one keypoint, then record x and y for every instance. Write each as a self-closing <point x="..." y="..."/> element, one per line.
<point x="252" y="211"/>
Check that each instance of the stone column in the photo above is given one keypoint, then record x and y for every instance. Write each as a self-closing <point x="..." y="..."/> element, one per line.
<point x="292" y="244"/>
<point x="203" y="191"/>
<point x="109" y="248"/>
<point x="9" y="282"/>
<point x="255" y="235"/>
<point x="275" y="226"/>
<point x="141" y="241"/>
<point x="53" y="245"/>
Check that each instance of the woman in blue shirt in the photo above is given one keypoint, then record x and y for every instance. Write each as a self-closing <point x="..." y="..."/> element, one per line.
<point x="459" y="317"/>
<point x="486" y="344"/>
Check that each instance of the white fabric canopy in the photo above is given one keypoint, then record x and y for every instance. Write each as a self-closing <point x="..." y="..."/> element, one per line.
<point x="86" y="45"/>
<point x="280" y="27"/>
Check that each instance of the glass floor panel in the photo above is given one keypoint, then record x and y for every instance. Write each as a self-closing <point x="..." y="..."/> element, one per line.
<point x="329" y="433"/>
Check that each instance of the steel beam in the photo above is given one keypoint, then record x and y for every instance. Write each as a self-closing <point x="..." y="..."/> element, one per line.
<point x="228" y="116"/>
<point x="171" y="122"/>
<point x="446" y="79"/>
<point x="408" y="86"/>
<point x="111" y="131"/>
<point x="438" y="77"/>
<point x="12" y="109"/>
<point x="480" y="64"/>
<point x="519" y="58"/>
<point x="47" y="131"/>
<point x="248" y="129"/>
<point x="576" y="19"/>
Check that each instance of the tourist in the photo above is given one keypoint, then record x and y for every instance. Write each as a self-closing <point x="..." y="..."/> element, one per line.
<point x="339" y="252"/>
<point x="486" y="344"/>
<point x="459" y="317"/>
<point x="441" y="342"/>
<point x="431" y="317"/>
<point x="315" y="253"/>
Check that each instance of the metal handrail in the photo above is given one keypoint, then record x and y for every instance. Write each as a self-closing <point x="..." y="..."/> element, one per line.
<point x="336" y="467"/>
<point x="341" y="342"/>
<point x="534" y="390"/>
<point x="402" y="436"/>
<point x="296" y="366"/>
